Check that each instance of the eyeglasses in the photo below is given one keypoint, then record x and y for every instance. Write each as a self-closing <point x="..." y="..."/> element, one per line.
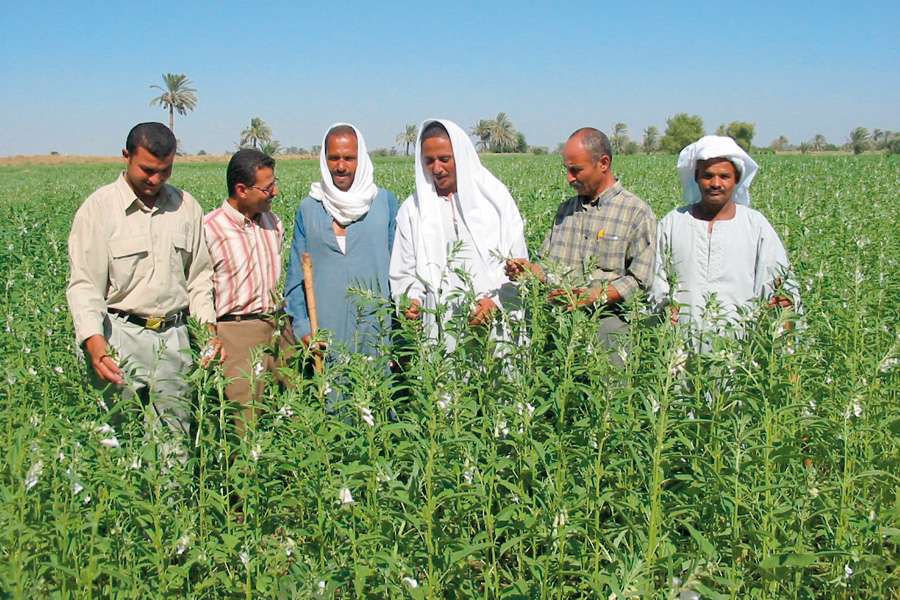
<point x="269" y="189"/>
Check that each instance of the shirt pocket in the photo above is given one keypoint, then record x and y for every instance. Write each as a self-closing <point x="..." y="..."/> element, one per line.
<point x="182" y="245"/>
<point x="609" y="250"/>
<point x="129" y="259"/>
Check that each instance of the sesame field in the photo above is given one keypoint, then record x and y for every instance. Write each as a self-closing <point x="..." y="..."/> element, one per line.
<point x="765" y="468"/>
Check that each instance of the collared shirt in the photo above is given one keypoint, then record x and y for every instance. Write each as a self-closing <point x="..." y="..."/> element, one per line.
<point x="246" y="257"/>
<point x="145" y="261"/>
<point x="611" y="239"/>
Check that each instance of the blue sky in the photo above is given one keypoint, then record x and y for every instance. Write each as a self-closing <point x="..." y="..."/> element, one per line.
<point x="77" y="75"/>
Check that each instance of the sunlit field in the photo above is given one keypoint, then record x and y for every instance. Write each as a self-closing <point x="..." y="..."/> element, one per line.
<point x="766" y="468"/>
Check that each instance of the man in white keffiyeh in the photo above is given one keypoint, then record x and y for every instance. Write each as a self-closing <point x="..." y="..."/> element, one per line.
<point x="717" y="245"/>
<point x="347" y="226"/>
<point x="460" y="219"/>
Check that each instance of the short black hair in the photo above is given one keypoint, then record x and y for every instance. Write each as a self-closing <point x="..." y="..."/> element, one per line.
<point x="595" y="142"/>
<point x="435" y="129"/>
<point x="243" y="166"/>
<point x="339" y="130"/>
<point x="155" y="137"/>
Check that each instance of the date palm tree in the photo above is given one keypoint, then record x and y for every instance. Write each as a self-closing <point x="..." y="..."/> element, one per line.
<point x="819" y="142"/>
<point x="256" y="135"/>
<point x="482" y="130"/>
<point x="408" y="136"/>
<point x="177" y="95"/>
<point x="503" y="137"/>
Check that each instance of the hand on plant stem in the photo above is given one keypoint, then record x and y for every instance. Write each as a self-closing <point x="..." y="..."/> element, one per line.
<point x="516" y="267"/>
<point x="104" y="366"/>
<point x="483" y="311"/>
<point x="414" y="311"/>
<point x="213" y="348"/>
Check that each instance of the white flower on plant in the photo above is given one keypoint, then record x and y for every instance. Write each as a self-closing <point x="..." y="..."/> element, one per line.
<point x="26" y="350"/>
<point x="320" y="588"/>
<point x="76" y="488"/>
<point x="34" y="419"/>
<point x="345" y="497"/>
<point x="289" y="546"/>
<point x="525" y="407"/>
<point x="327" y="388"/>
<point x="255" y="452"/>
<point x="501" y="428"/>
<point x="136" y="462"/>
<point x="34" y="474"/>
<point x="888" y="364"/>
<point x="102" y="404"/>
<point x="184" y="542"/>
<point x="848" y="571"/>
<point x="813" y="492"/>
<point x="110" y="441"/>
<point x="691" y="415"/>
<point x="286" y="411"/>
<point x="245" y="558"/>
<point x="258" y="369"/>
<point x="32" y="371"/>
<point x="58" y="370"/>
<point x="49" y="333"/>
<point x="468" y="472"/>
<point x="853" y="409"/>
<point x="445" y="401"/>
<point x="366" y="415"/>
<point x="654" y="405"/>
<point x="410" y="582"/>
<point x="87" y="500"/>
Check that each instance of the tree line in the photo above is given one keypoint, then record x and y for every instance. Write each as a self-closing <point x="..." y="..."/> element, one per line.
<point x="500" y="135"/>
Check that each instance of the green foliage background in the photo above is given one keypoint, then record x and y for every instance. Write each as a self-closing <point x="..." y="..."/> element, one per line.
<point x="765" y="469"/>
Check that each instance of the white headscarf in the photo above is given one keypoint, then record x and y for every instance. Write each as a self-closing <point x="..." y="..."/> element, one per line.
<point x="487" y="208"/>
<point x="346" y="207"/>
<point x="716" y="146"/>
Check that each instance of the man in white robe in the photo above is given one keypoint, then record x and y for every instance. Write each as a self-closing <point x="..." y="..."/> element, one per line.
<point x="460" y="219"/>
<point x="717" y="245"/>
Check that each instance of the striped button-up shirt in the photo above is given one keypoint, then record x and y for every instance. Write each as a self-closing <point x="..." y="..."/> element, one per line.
<point x="610" y="239"/>
<point x="246" y="256"/>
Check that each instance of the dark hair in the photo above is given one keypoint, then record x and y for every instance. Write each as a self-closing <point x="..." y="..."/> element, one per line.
<point x="243" y="166"/>
<point x="339" y="130"/>
<point x="155" y="137"/>
<point x="701" y="164"/>
<point x="434" y="130"/>
<point x="595" y="142"/>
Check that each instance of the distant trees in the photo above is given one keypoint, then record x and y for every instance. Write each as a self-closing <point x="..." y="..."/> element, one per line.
<point x="408" y="136"/>
<point x="681" y="130"/>
<point x="619" y="138"/>
<point x="818" y="142"/>
<point x="498" y="135"/>
<point x="177" y="95"/>
<point x="272" y="147"/>
<point x="780" y="144"/>
<point x="741" y="132"/>
<point x="256" y="135"/>
<point x="859" y="140"/>
<point x="651" y="139"/>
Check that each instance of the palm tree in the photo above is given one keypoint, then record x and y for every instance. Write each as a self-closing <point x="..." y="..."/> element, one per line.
<point x="503" y="136"/>
<point x="256" y="135"/>
<point x="271" y="147"/>
<point x="408" y="136"/>
<point x="482" y="130"/>
<point x="859" y="140"/>
<point x="819" y="142"/>
<point x="177" y="95"/>
<point x="651" y="139"/>
<point x="619" y="137"/>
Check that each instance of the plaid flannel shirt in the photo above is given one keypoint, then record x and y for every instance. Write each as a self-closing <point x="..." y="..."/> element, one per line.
<point x="611" y="239"/>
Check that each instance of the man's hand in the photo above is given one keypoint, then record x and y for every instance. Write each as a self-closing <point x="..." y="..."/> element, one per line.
<point x="780" y="301"/>
<point x="414" y="311"/>
<point x="516" y="267"/>
<point x="317" y="349"/>
<point x="213" y="349"/>
<point x="104" y="366"/>
<point x="577" y="297"/>
<point x="674" y="311"/>
<point x="484" y="308"/>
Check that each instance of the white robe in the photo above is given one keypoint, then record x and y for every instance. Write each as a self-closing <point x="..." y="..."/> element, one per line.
<point x="739" y="262"/>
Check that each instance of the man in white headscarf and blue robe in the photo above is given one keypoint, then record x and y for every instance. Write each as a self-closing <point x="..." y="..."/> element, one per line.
<point x="454" y="234"/>
<point x="347" y="226"/>
<point x="716" y="246"/>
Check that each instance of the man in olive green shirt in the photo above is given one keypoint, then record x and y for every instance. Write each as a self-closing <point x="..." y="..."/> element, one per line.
<point x="138" y="266"/>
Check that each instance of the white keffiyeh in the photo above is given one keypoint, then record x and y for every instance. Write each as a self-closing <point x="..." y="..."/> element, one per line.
<point x="488" y="210"/>
<point x="349" y="206"/>
<point x="715" y="146"/>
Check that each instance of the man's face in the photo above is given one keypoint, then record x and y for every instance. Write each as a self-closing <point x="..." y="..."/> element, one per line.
<point x="342" y="158"/>
<point x="437" y="158"/>
<point x="584" y="175"/>
<point x="257" y="198"/>
<point x="146" y="173"/>
<point x="717" y="179"/>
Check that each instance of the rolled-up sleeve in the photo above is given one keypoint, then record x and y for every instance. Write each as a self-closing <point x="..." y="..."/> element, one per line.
<point x="88" y="274"/>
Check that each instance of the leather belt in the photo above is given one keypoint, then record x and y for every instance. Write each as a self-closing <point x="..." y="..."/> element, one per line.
<point x="153" y="323"/>
<point x="233" y="318"/>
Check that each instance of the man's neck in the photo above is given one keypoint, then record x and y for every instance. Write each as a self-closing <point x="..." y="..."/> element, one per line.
<point x="606" y="185"/>
<point x="234" y="204"/>
<point x="706" y="212"/>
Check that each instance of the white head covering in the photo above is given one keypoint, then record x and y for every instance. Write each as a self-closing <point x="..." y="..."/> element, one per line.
<point x="487" y="208"/>
<point x="716" y="146"/>
<point x="346" y="207"/>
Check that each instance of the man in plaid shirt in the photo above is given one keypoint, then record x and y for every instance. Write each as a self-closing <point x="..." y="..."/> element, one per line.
<point x="603" y="239"/>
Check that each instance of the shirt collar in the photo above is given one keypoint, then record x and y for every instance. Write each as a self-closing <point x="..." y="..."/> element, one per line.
<point x="128" y="199"/>
<point x="237" y="217"/>
<point x="604" y="196"/>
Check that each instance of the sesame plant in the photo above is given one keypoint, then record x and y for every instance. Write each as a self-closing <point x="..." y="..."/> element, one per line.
<point x="765" y="467"/>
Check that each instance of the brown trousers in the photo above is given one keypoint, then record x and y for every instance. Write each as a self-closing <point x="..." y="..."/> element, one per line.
<point x="250" y="352"/>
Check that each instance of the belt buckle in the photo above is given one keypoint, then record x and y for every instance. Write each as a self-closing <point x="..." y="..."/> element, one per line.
<point x="154" y="323"/>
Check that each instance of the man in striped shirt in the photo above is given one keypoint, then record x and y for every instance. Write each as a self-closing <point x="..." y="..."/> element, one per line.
<point x="244" y="239"/>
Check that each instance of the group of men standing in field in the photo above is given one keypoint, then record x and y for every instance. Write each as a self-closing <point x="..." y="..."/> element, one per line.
<point x="144" y="257"/>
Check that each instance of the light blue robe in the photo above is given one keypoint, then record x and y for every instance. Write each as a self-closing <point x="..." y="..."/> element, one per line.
<point x="352" y="323"/>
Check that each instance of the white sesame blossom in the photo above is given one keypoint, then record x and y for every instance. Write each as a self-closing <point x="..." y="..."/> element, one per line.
<point x="245" y="558"/>
<point x="366" y="415"/>
<point x="255" y="452"/>
<point x="410" y="583"/>
<point x="848" y="571"/>
<point x="184" y="542"/>
<point x="286" y="411"/>
<point x="58" y="370"/>
<point x="345" y="497"/>
<point x="34" y="474"/>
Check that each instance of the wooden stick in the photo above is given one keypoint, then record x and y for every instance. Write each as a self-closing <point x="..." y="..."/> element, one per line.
<point x="311" y="305"/>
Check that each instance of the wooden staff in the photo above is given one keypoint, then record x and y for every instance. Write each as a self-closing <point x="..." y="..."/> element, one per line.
<point x="311" y="306"/>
